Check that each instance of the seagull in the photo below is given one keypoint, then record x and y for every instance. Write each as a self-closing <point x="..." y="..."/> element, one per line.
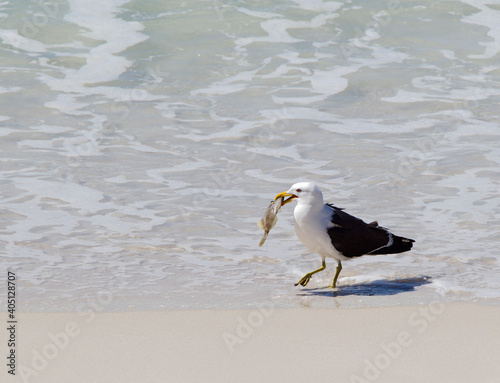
<point x="332" y="233"/>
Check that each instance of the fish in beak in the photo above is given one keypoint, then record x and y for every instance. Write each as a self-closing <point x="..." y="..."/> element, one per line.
<point x="270" y="218"/>
<point x="284" y="195"/>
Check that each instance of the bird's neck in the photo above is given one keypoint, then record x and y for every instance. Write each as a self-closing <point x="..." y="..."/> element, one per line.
<point x="309" y="206"/>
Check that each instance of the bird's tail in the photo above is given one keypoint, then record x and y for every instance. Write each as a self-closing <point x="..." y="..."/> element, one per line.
<point x="398" y="245"/>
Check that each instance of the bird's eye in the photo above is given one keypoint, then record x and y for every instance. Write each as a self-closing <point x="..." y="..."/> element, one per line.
<point x="299" y="190"/>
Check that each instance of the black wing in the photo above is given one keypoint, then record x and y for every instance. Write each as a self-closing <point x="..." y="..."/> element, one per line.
<point x="352" y="237"/>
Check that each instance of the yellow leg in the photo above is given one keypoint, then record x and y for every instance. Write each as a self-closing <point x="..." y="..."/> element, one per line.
<point x="305" y="279"/>
<point x="339" y="268"/>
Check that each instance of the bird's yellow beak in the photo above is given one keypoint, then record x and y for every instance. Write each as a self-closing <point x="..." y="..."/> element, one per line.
<point x="285" y="194"/>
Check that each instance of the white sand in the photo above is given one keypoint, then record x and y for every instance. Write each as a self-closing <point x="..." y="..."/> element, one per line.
<point x="437" y="343"/>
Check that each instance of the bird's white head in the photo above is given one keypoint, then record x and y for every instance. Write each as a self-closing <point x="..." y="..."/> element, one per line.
<point x="305" y="192"/>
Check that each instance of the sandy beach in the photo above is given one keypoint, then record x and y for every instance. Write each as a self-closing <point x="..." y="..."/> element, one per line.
<point x="428" y="343"/>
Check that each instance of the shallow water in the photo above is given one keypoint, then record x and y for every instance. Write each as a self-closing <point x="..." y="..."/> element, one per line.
<point x="142" y="141"/>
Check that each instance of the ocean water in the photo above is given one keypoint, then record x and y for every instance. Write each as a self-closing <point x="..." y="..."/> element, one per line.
<point x="141" y="142"/>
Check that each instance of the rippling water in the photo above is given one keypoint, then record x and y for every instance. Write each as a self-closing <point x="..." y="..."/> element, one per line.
<point x="142" y="141"/>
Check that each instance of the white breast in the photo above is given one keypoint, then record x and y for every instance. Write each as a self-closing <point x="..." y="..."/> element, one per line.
<point x="311" y="223"/>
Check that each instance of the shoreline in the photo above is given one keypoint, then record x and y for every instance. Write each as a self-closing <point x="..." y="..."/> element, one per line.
<point x="445" y="342"/>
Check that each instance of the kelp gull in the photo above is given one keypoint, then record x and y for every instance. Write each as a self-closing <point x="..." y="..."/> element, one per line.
<point x="331" y="232"/>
